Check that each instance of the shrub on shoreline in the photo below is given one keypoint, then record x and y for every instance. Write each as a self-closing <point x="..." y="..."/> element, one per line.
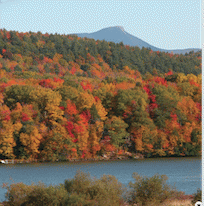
<point x="104" y="191"/>
<point x="197" y="196"/>
<point x="150" y="190"/>
<point x="39" y="194"/>
<point x="81" y="190"/>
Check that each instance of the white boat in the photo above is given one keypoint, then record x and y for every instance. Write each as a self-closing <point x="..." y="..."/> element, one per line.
<point x="4" y="161"/>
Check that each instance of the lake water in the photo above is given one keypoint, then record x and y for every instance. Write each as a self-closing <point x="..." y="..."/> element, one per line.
<point x="184" y="172"/>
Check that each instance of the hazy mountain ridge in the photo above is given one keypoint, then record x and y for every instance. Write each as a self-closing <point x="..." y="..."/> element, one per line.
<point x="117" y="34"/>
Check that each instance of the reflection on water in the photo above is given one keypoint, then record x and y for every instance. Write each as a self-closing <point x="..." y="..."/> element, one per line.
<point x="184" y="172"/>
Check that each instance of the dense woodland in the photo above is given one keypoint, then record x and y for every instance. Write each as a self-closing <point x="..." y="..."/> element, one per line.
<point x="64" y="97"/>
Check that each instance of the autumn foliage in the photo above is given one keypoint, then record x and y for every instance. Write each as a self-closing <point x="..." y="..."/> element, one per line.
<point x="59" y="100"/>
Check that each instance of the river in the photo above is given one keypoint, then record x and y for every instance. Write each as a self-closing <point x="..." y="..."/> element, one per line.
<point x="185" y="172"/>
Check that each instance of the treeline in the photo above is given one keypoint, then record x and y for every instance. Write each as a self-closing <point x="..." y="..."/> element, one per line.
<point x="57" y="105"/>
<point x="68" y="48"/>
<point x="86" y="191"/>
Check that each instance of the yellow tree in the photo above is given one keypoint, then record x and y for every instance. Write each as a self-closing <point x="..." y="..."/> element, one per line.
<point x="100" y="109"/>
<point x="51" y="115"/>
<point x="25" y="130"/>
<point x="148" y="137"/>
<point x="189" y="108"/>
<point x="98" y="116"/>
<point x="1" y="99"/>
<point x="6" y="133"/>
<point x="192" y="77"/>
<point x="16" y="118"/>
<point x="57" y="57"/>
<point x="57" y="144"/>
<point x="85" y="101"/>
<point x="160" y="143"/>
<point x="181" y="78"/>
<point x="31" y="141"/>
<point x="48" y="102"/>
<point x="93" y="139"/>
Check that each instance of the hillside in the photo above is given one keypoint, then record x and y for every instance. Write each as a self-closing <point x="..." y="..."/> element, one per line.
<point x="64" y="97"/>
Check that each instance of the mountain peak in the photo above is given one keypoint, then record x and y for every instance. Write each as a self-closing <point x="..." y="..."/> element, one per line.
<point x="117" y="34"/>
<point x="118" y="27"/>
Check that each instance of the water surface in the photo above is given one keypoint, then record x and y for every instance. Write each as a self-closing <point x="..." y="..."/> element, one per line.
<point x="185" y="172"/>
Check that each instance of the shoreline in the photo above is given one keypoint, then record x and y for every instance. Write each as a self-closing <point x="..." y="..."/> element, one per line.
<point x="184" y="200"/>
<point x="98" y="158"/>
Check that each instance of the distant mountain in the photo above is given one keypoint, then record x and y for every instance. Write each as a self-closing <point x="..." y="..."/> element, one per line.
<point x="117" y="34"/>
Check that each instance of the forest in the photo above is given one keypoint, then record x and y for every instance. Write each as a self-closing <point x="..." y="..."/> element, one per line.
<point x="64" y="97"/>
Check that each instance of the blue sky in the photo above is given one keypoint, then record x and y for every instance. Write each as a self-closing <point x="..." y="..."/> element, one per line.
<point x="167" y="24"/>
